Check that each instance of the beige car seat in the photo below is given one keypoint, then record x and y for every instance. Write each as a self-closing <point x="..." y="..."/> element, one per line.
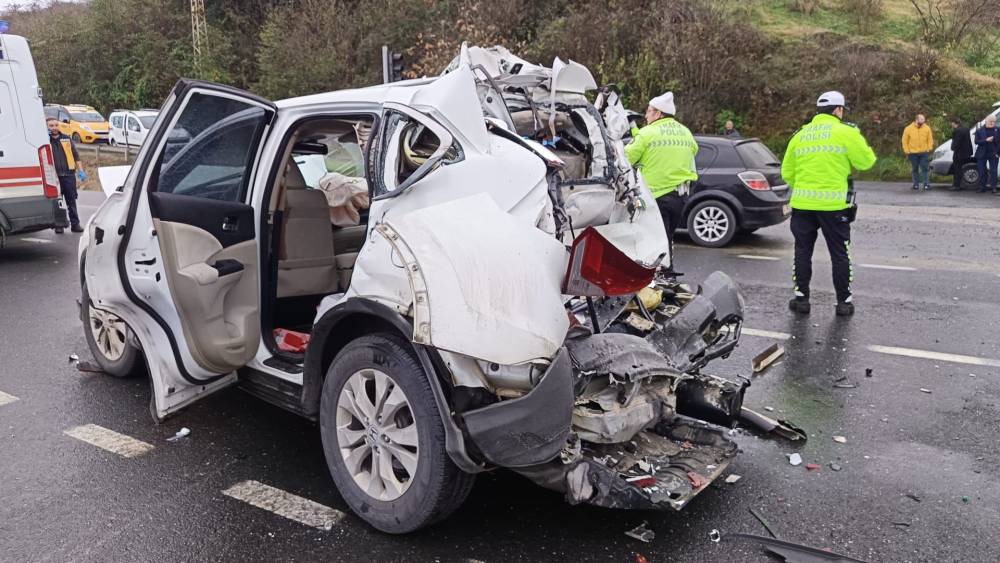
<point x="306" y="263"/>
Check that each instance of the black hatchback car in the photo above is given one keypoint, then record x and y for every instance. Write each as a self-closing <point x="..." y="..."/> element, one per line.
<point x="739" y="189"/>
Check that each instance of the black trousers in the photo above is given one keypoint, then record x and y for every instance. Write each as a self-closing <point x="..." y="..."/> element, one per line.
<point x="837" y="231"/>
<point x="672" y="209"/>
<point x="67" y="185"/>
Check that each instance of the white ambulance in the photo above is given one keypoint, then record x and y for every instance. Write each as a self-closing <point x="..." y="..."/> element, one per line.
<point x="29" y="187"/>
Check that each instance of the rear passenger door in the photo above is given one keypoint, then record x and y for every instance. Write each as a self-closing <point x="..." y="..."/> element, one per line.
<point x="188" y="259"/>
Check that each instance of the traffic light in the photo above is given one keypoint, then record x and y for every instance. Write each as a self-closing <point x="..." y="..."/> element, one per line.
<point x="392" y="65"/>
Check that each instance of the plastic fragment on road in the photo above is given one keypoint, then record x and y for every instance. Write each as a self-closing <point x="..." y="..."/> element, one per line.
<point x="733" y="478"/>
<point x="812" y="467"/>
<point x="769" y="409"/>
<point x="794" y="459"/>
<point x="640" y="558"/>
<point x="840" y="439"/>
<point x="868" y="372"/>
<point x="714" y="536"/>
<point x="845" y="385"/>
<point x="922" y="390"/>
<point x="183" y="432"/>
<point x="793" y="552"/>
<point x="834" y="466"/>
<point x="641" y="533"/>
<point x="88" y="367"/>
<point x="291" y="341"/>
<point x="74" y="358"/>
<point x="762" y="361"/>
<point x="966" y="499"/>
<point x="763" y="522"/>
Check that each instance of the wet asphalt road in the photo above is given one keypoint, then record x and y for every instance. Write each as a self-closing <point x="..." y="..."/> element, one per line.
<point x="64" y="500"/>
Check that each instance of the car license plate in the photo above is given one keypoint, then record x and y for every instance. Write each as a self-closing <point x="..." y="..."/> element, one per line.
<point x="786" y="209"/>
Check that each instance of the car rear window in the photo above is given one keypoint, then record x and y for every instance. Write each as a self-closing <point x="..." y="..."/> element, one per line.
<point x="756" y="155"/>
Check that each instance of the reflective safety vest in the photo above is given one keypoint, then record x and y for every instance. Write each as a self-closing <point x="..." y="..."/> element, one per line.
<point x="819" y="159"/>
<point x="664" y="151"/>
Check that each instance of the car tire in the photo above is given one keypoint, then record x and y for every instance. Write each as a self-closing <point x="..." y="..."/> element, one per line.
<point x="353" y="431"/>
<point x="970" y="176"/>
<point x="76" y="137"/>
<point x="711" y="223"/>
<point x="111" y="341"/>
<point x="112" y="142"/>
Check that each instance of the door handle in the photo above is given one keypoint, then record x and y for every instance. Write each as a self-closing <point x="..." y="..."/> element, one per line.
<point x="230" y="224"/>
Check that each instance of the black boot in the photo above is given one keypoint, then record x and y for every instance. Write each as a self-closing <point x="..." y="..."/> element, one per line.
<point x="800" y="305"/>
<point x="76" y="228"/>
<point x="845" y="309"/>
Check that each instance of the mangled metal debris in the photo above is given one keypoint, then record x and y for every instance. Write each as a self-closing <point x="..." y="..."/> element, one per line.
<point x="793" y="552"/>
<point x="767" y="425"/>
<point x="641" y="533"/>
<point x="765" y="359"/>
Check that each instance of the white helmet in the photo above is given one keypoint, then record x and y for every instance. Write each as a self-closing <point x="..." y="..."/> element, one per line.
<point x="832" y="98"/>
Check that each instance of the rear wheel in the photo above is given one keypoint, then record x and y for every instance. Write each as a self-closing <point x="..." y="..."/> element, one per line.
<point x="711" y="223"/>
<point x="383" y="438"/>
<point x="112" y="142"/>
<point x="111" y="341"/>
<point x="970" y="176"/>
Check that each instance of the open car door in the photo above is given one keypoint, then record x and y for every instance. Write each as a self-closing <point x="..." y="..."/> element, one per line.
<point x="187" y="256"/>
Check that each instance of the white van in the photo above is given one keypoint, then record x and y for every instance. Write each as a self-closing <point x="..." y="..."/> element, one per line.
<point x="29" y="187"/>
<point x="130" y="128"/>
<point x="942" y="161"/>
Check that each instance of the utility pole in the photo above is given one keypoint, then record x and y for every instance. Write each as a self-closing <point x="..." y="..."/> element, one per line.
<point x="199" y="34"/>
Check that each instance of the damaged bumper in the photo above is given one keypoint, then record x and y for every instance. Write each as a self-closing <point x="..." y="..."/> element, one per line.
<point x="648" y="431"/>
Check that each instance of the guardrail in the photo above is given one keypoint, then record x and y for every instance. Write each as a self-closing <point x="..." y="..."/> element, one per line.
<point x="106" y="154"/>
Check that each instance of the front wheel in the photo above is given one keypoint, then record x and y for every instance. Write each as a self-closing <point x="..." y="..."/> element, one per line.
<point x="970" y="176"/>
<point x="383" y="437"/>
<point x="711" y="223"/>
<point x="111" y="341"/>
<point x="76" y="138"/>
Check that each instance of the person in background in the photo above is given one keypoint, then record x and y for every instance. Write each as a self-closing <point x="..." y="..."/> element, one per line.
<point x="961" y="149"/>
<point x="664" y="152"/>
<point x="918" y="142"/>
<point x="67" y="161"/>
<point x="987" y="149"/>
<point x="730" y="130"/>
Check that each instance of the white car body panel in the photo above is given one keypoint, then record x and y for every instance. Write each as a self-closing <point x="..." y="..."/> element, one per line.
<point x="460" y="246"/>
<point x="112" y="177"/>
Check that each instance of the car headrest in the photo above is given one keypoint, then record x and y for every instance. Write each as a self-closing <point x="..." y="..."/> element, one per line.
<point x="293" y="179"/>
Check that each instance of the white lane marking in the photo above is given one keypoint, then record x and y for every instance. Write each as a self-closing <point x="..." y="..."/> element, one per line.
<point x="41" y="240"/>
<point x="6" y="399"/>
<point x="929" y="355"/>
<point x="766" y="333"/>
<point x="888" y="267"/>
<point x="757" y="257"/>
<point x="125" y="446"/>
<point x="282" y="503"/>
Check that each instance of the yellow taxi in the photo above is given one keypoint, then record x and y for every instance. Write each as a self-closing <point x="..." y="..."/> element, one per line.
<point x="83" y="124"/>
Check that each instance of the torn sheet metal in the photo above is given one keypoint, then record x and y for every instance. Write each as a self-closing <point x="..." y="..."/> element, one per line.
<point x="711" y="399"/>
<point x="762" y="361"/>
<point x="625" y="356"/>
<point x="793" y="552"/>
<point x="682" y="456"/>
<point x="756" y="421"/>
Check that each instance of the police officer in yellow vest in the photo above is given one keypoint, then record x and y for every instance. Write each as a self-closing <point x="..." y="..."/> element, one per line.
<point x="66" y="161"/>
<point x="817" y="164"/>
<point x="664" y="152"/>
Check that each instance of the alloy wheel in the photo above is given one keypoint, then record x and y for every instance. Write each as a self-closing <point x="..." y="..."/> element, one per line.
<point x="377" y="435"/>
<point x="711" y="224"/>
<point x="109" y="333"/>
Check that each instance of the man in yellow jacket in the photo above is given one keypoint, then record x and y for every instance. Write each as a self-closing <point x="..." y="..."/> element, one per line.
<point x="664" y="152"/>
<point x="817" y="166"/>
<point x="918" y="143"/>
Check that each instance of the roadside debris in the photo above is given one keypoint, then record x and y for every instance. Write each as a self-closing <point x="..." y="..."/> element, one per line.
<point x="641" y="533"/>
<point x="922" y="390"/>
<point x="755" y="420"/>
<point x="733" y="478"/>
<point x="715" y="536"/>
<point x="868" y="372"/>
<point x="812" y="467"/>
<point x="794" y="459"/>
<point x="762" y="361"/>
<point x="966" y="499"/>
<point x="640" y="558"/>
<point x="74" y="358"/>
<point x="793" y="552"/>
<point x="840" y="439"/>
<point x="834" y="466"/>
<point x="769" y="409"/>
<point x="763" y="522"/>
<point x="183" y="432"/>
<point x="845" y="385"/>
<point x="88" y="367"/>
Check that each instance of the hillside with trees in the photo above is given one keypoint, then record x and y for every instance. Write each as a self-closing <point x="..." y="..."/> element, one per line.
<point x="759" y="62"/>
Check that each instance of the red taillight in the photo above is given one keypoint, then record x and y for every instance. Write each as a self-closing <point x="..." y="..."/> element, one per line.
<point x="50" y="181"/>
<point x="754" y="180"/>
<point x="597" y="268"/>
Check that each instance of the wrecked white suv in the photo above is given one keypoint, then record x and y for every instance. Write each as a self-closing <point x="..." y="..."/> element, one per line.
<point x="465" y="309"/>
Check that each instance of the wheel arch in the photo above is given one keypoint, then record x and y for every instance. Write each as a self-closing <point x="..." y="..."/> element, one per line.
<point x="358" y="317"/>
